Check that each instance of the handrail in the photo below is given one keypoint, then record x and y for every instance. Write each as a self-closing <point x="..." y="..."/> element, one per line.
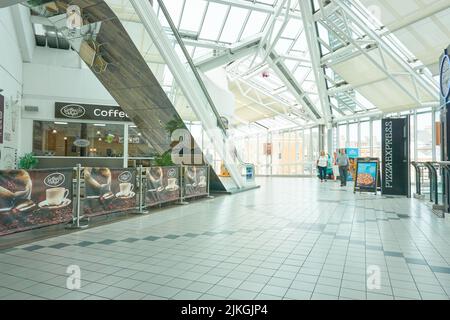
<point x="192" y="65"/>
<point x="434" y="194"/>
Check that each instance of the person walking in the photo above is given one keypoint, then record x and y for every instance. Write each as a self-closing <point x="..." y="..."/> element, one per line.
<point x="343" y="163"/>
<point x="322" y="164"/>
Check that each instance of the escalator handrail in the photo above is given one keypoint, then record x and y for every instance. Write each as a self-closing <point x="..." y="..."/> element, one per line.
<point x="192" y="65"/>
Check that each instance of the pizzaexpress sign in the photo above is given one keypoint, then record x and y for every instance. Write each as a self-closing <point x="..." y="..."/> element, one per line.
<point x="89" y="112"/>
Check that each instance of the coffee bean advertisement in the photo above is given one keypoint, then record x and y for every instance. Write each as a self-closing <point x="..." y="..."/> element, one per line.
<point x="162" y="184"/>
<point x="34" y="198"/>
<point x="109" y="190"/>
<point x="195" y="181"/>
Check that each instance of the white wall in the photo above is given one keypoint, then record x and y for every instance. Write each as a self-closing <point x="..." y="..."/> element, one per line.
<point x="11" y="81"/>
<point x="56" y="76"/>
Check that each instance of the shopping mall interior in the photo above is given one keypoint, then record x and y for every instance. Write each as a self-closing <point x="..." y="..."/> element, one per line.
<point x="222" y="150"/>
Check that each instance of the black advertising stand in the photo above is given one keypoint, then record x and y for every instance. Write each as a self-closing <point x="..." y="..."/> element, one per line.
<point x="445" y="122"/>
<point x="367" y="175"/>
<point x="395" y="159"/>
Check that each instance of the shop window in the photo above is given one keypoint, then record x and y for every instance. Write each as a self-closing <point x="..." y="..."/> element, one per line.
<point x="77" y="139"/>
<point x="138" y="147"/>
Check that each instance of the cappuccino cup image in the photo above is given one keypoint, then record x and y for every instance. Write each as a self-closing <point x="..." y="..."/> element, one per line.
<point x="202" y="181"/>
<point x="172" y="183"/>
<point x="56" y="196"/>
<point x="126" y="188"/>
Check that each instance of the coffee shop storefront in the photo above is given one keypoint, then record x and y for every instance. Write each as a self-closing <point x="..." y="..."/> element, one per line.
<point x="90" y="135"/>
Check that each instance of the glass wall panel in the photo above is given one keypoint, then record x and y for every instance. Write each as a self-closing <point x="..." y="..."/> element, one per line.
<point x="77" y="139"/>
<point x="353" y="135"/>
<point x="376" y="136"/>
<point x="365" y="138"/>
<point x="138" y="147"/>
<point x="424" y="137"/>
<point x="342" y="141"/>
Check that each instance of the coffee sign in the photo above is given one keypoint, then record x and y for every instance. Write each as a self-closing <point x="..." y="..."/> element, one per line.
<point x="90" y="112"/>
<point x="125" y="176"/>
<point x="54" y="180"/>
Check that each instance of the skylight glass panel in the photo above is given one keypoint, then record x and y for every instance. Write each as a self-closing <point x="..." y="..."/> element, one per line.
<point x="293" y="27"/>
<point x="271" y="2"/>
<point x="174" y="8"/>
<point x="193" y="11"/>
<point x="255" y="24"/>
<point x="234" y="25"/>
<point x="283" y="46"/>
<point x="214" y="19"/>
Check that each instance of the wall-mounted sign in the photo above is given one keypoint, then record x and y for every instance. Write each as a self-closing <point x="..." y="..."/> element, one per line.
<point x="82" y="143"/>
<point x="90" y="112"/>
<point x="2" y="116"/>
<point x="445" y="76"/>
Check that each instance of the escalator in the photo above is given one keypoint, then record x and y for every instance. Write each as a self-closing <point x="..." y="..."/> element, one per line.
<point x="108" y="46"/>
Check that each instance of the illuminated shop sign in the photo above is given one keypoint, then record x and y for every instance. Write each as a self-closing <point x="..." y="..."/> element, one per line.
<point x="90" y="112"/>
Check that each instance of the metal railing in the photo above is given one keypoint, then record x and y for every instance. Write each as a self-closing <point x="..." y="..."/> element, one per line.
<point x="434" y="175"/>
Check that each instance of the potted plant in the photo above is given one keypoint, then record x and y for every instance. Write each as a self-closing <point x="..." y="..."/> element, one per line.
<point x="28" y="161"/>
<point x="164" y="160"/>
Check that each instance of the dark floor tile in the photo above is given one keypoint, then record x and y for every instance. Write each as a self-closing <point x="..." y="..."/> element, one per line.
<point x="151" y="238"/>
<point x="84" y="243"/>
<point x="59" y="245"/>
<point x="33" y="248"/>
<point x="440" y="269"/>
<point x="393" y="254"/>
<point x="171" y="236"/>
<point x="130" y="240"/>
<point x="190" y="235"/>
<point x="107" y="241"/>
<point x="416" y="261"/>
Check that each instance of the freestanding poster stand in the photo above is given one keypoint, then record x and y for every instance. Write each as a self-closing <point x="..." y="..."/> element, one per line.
<point x="367" y="175"/>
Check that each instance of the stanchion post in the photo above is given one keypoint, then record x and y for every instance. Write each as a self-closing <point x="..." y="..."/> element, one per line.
<point x="182" y="186"/>
<point x="208" y="179"/>
<point x="76" y="220"/>
<point x="78" y="194"/>
<point x="141" y="190"/>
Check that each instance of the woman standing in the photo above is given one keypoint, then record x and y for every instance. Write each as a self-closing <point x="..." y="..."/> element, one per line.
<point x="322" y="164"/>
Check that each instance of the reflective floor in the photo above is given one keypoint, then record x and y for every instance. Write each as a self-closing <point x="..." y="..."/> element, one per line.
<point x="292" y="239"/>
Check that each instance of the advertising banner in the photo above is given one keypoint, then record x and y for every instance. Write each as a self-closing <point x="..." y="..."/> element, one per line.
<point x="395" y="159"/>
<point x="162" y="184"/>
<point x="34" y="198"/>
<point x="109" y="190"/>
<point x="353" y="154"/>
<point x="195" y="181"/>
<point x="367" y="175"/>
<point x="2" y="116"/>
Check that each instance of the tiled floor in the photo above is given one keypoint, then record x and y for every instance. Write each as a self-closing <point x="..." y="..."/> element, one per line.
<point x="292" y="239"/>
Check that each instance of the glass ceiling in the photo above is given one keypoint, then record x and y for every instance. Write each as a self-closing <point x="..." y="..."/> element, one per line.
<point x="209" y="27"/>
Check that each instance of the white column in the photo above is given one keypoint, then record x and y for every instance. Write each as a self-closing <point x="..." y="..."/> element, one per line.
<point x="125" y="146"/>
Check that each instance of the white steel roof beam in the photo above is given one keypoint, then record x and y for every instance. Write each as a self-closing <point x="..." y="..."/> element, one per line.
<point x="430" y="88"/>
<point x="314" y="49"/>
